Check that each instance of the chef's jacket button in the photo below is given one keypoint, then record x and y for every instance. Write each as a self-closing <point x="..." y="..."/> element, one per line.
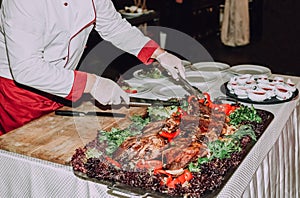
<point x="64" y="58"/>
<point x="65" y="4"/>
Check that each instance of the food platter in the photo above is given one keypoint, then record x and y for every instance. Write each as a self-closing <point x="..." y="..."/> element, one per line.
<point x="122" y="180"/>
<point x="250" y="69"/>
<point x="140" y="74"/>
<point x="226" y="91"/>
<point x="210" y="67"/>
<point x="260" y="90"/>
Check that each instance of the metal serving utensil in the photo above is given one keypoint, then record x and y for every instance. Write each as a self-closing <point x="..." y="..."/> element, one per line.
<point x="189" y="88"/>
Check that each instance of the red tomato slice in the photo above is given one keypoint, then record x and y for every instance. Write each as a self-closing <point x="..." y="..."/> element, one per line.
<point x="132" y="91"/>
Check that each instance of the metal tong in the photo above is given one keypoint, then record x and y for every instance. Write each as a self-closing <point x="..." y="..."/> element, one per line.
<point x="189" y="88"/>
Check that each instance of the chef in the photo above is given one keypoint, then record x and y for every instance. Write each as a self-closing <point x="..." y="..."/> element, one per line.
<point x="41" y="43"/>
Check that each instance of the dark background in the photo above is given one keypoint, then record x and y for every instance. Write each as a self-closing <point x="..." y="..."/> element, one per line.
<point x="274" y="26"/>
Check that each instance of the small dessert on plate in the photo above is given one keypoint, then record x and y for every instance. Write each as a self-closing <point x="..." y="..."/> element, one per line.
<point x="262" y="79"/>
<point x="278" y="79"/>
<point x="243" y="78"/>
<point x="241" y="91"/>
<point x="258" y="95"/>
<point x="282" y="93"/>
<point x="261" y="89"/>
<point x="268" y="88"/>
<point x="290" y="85"/>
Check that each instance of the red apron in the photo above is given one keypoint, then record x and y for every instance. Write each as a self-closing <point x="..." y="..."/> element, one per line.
<point x="19" y="106"/>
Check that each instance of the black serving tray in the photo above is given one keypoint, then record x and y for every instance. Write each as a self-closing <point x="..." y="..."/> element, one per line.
<point x="125" y="191"/>
<point x="272" y="100"/>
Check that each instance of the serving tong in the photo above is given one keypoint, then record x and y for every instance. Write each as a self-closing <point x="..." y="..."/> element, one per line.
<point x="189" y="88"/>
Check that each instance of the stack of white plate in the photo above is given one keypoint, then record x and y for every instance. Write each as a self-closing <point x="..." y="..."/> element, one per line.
<point x="250" y="69"/>
<point x="203" y="73"/>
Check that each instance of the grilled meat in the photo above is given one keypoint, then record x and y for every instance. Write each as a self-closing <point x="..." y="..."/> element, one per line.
<point x="147" y="146"/>
<point x="182" y="153"/>
<point x="201" y="125"/>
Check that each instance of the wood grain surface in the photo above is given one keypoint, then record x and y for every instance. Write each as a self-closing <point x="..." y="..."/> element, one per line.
<point x="55" y="138"/>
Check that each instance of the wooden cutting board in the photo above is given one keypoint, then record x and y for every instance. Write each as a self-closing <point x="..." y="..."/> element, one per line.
<point x="55" y="138"/>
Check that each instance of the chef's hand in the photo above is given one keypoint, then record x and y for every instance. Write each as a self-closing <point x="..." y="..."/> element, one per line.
<point x="172" y="64"/>
<point x="106" y="91"/>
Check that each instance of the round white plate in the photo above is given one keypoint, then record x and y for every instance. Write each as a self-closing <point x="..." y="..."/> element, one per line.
<point x="186" y="63"/>
<point x="170" y="91"/>
<point x="141" y="88"/>
<point x="137" y="74"/>
<point x="195" y="77"/>
<point x="250" y="69"/>
<point x="210" y="67"/>
<point x="129" y="14"/>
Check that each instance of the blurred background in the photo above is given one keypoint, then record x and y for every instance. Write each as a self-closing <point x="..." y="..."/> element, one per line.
<point x="273" y="26"/>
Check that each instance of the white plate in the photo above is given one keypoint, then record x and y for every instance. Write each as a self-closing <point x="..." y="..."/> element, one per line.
<point x="195" y="77"/>
<point x="170" y="91"/>
<point x="141" y="88"/>
<point x="210" y="67"/>
<point x="137" y="74"/>
<point x="129" y="14"/>
<point x="250" y="69"/>
<point x="186" y="63"/>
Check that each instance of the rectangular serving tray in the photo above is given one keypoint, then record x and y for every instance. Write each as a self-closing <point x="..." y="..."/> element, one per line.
<point x="123" y="191"/>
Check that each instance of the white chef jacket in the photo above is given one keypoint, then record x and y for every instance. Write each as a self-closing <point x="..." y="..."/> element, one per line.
<point x="41" y="41"/>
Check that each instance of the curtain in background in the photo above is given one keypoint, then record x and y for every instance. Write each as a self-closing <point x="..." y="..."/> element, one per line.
<point x="235" y="29"/>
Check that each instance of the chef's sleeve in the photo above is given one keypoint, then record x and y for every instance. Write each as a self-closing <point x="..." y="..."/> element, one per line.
<point x="23" y="27"/>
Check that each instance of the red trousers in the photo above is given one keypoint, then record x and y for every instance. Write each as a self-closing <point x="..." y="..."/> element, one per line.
<point x="19" y="106"/>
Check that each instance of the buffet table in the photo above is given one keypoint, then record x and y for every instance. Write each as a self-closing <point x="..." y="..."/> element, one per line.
<point x="34" y="159"/>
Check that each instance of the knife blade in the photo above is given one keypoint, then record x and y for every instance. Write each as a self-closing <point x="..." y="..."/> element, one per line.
<point x="135" y="101"/>
<point x="90" y="113"/>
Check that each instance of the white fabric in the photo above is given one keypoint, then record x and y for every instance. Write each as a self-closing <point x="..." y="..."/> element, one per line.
<point x="255" y="162"/>
<point x="278" y="175"/>
<point x="22" y="176"/>
<point x="235" y="30"/>
<point x="271" y="168"/>
<point x="45" y="39"/>
<point x="107" y="91"/>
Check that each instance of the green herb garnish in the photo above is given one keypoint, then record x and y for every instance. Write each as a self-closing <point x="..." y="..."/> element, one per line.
<point x="115" y="137"/>
<point x="222" y="149"/>
<point x="93" y="153"/>
<point x="242" y="131"/>
<point x="244" y="113"/>
<point x="160" y="112"/>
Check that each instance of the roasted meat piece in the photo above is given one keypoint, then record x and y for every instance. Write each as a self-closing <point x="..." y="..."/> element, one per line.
<point x="200" y="125"/>
<point x="182" y="153"/>
<point x="147" y="146"/>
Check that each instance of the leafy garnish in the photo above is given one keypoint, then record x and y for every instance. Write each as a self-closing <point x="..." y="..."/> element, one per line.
<point x="244" y="113"/>
<point x="242" y="131"/>
<point x="223" y="148"/>
<point x="160" y="112"/>
<point x="152" y="73"/>
<point x="93" y="153"/>
<point x="115" y="137"/>
<point x="195" y="167"/>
